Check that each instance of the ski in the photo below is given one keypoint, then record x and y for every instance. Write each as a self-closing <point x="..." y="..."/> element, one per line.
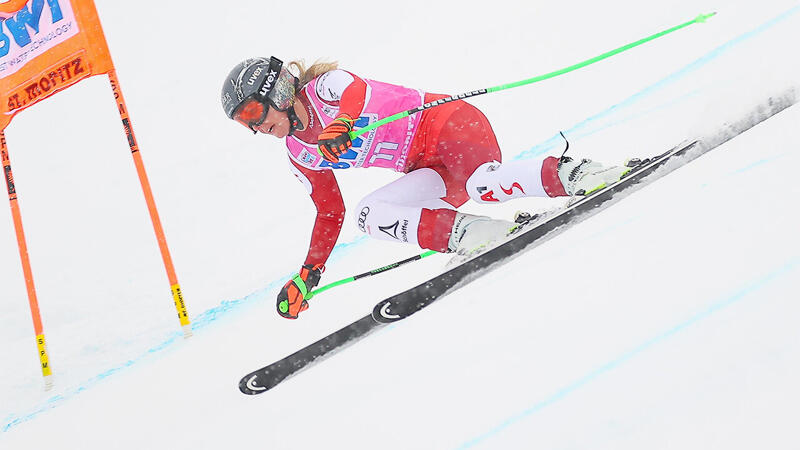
<point x="267" y="377"/>
<point x="404" y="304"/>
<point x="412" y="300"/>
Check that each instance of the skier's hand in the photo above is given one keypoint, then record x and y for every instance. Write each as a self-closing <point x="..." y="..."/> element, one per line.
<point x="291" y="299"/>
<point x="335" y="138"/>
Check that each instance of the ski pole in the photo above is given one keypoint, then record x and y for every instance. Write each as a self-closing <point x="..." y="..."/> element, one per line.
<point x="699" y="19"/>
<point x="369" y="274"/>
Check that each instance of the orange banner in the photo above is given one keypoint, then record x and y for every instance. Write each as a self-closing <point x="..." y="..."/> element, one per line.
<point x="10" y="7"/>
<point x="47" y="46"/>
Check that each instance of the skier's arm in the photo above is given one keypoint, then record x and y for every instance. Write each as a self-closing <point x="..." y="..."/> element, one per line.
<point x="353" y="97"/>
<point x="349" y="92"/>
<point x="330" y="212"/>
<point x="343" y="89"/>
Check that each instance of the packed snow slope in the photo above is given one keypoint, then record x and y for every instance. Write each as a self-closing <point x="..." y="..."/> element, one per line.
<point x="668" y="320"/>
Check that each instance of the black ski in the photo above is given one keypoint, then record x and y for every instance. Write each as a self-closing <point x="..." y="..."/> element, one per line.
<point x="268" y="377"/>
<point x="408" y="302"/>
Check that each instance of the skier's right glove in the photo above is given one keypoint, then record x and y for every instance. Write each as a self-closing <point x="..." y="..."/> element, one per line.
<point x="291" y="299"/>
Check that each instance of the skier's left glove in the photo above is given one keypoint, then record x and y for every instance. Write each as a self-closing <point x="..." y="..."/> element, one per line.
<point x="291" y="299"/>
<point x="334" y="140"/>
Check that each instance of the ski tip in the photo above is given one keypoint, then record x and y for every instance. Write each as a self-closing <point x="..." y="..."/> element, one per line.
<point x="249" y="385"/>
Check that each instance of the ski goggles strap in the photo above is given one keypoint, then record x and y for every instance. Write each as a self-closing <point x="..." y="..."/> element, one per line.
<point x="270" y="80"/>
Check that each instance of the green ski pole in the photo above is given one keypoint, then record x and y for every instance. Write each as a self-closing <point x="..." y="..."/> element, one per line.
<point x="699" y="19"/>
<point x="369" y="274"/>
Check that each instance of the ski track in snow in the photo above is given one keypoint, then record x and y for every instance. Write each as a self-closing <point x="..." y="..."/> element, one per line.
<point x="595" y="123"/>
<point x="615" y="115"/>
<point x="203" y="320"/>
<point x="745" y="292"/>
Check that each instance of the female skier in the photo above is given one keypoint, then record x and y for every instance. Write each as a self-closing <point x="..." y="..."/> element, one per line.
<point x="449" y="154"/>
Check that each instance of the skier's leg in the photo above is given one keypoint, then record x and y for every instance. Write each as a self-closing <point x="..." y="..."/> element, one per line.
<point x="551" y="177"/>
<point x="495" y="182"/>
<point x="422" y="187"/>
<point x="417" y="208"/>
<point x="466" y="144"/>
<point x="410" y="209"/>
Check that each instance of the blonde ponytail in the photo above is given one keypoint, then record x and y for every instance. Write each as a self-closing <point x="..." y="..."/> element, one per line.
<point x="307" y="74"/>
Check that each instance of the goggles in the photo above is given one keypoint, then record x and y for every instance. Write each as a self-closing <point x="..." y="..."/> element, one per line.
<point x="274" y="90"/>
<point x="251" y="114"/>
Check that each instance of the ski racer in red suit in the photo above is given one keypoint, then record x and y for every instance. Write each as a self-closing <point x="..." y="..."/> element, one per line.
<point x="449" y="155"/>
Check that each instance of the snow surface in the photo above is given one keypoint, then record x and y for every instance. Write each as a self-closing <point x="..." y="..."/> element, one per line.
<point x="669" y="320"/>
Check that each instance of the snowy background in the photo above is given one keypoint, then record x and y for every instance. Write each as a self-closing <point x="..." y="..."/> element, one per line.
<point x="669" y="320"/>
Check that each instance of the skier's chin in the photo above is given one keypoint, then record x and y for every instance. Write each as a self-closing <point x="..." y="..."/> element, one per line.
<point x="281" y="133"/>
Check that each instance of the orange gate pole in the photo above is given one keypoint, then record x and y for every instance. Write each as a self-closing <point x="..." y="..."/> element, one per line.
<point x="180" y="305"/>
<point x="26" y="265"/>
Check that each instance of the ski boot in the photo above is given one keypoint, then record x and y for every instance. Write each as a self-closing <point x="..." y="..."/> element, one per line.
<point x="582" y="177"/>
<point x="471" y="234"/>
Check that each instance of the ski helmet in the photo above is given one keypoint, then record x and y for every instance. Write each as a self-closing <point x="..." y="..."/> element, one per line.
<point x="256" y="84"/>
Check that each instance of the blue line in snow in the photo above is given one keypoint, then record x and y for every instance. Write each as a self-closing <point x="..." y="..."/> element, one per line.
<point x="625" y="357"/>
<point x="199" y="322"/>
<point x="755" y="164"/>
<point x="744" y="169"/>
<point x="590" y="126"/>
